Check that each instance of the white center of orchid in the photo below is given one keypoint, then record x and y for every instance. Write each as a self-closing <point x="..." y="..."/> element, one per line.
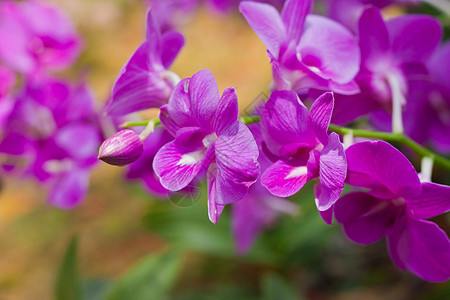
<point x="191" y="158"/>
<point x="297" y="172"/>
<point x="209" y="139"/>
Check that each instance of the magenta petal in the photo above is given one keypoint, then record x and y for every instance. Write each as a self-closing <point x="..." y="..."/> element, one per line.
<point x="320" y="116"/>
<point x="237" y="163"/>
<point x="283" y="179"/>
<point x="373" y="38"/>
<point x="365" y="219"/>
<point x="169" y="124"/>
<point x="333" y="171"/>
<point x="414" y="37"/>
<point x="421" y="247"/>
<point x="284" y="120"/>
<point x="267" y="24"/>
<point x="294" y="15"/>
<point x="69" y="189"/>
<point x="81" y="141"/>
<point x="214" y="209"/>
<point x="139" y="86"/>
<point x="153" y="34"/>
<point x="176" y="164"/>
<point x="228" y="110"/>
<point x="329" y="50"/>
<point x="204" y="95"/>
<point x="387" y="168"/>
<point x="179" y="109"/>
<point x="434" y="200"/>
<point x="172" y="42"/>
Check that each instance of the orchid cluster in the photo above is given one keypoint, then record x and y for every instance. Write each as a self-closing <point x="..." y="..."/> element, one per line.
<point x="359" y="67"/>
<point x="49" y="126"/>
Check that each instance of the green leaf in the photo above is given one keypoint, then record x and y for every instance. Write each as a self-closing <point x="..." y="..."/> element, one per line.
<point x="68" y="285"/>
<point x="273" y="287"/>
<point x="151" y="278"/>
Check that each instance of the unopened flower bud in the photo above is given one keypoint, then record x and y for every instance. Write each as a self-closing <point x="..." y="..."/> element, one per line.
<point x="122" y="148"/>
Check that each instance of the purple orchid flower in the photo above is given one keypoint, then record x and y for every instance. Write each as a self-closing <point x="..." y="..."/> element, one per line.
<point x="259" y="209"/>
<point x="36" y="36"/>
<point x="52" y="135"/>
<point x="395" y="205"/>
<point x="209" y="137"/>
<point x="427" y="112"/>
<point x="393" y="54"/>
<point x="306" y="51"/>
<point x="142" y="168"/>
<point x="144" y="82"/>
<point x="298" y="142"/>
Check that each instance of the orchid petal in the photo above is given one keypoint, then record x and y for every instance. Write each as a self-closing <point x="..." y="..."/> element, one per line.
<point x="386" y="170"/>
<point x="177" y="163"/>
<point x="204" y="96"/>
<point x="283" y="179"/>
<point x="320" y="116"/>
<point x="434" y="200"/>
<point x="414" y="37"/>
<point x="365" y="219"/>
<point x="172" y="42"/>
<point x="237" y="165"/>
<point x="69" y="189"/>
<point x="138" y="86"/>
<point x="228" y="111"/>
<point x="421" y="247"/>
<point x="329" y="49"/>
<point x="333" y="171"/>
<point x="294" y="15"/>
<point x="214" y="209"/>
<point x="373" y="38"/>
<point x="267" y="24"/>
<point x="284" y="120"/>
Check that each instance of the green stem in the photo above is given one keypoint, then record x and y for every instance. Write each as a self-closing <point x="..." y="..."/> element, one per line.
<point x="155" y="121"/>
<point x="249" y="119"/>
<point x="394" y="137"/>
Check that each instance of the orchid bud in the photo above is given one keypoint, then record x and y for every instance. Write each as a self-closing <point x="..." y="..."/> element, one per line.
<point x="122" y="148"/>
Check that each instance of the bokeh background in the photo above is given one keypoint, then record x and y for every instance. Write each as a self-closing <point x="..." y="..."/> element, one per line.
<point x="132" y="246"/>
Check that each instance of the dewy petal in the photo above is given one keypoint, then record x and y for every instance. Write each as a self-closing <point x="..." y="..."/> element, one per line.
<point x="283" y="179"/>
<point x="265" y="20"/>
<point x="365" y="219"/>
<point x="434" y="200"/>
<point x="294" y="15"/>
<point x="228" y="111"/>
<point x="414" y="37"/>
<point x="320" y="116"/>
<point x="237" y="163"/>
<point x="172" y="42"/>
<point x="284" y="120"/>
<point x="333" y="171"/>
<point x="373" y="38"/>
<point x="177" y="163"/>
<point x="421" y="247"/>
<point x="204" y="96"/>
<point x="69" y="189"/>
<point x="387" y="168"/>
<point x="214" y="209"/>
<point x="329" y="49"/>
